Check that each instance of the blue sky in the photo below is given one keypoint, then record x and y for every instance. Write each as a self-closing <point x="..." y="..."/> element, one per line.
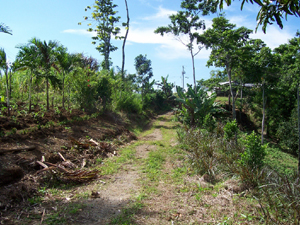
<point x="58" y="20"/>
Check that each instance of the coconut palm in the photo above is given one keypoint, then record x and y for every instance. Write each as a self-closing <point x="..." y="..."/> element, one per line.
<point x="46" y="55"/>
<point x="4" y="66"/>
<point x="67" y="65"/>
<point x="27" y="60"/>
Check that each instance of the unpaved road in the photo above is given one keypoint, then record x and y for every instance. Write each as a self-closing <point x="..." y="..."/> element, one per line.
<point x="153" y="184"/>
<point x="168" y="195"/>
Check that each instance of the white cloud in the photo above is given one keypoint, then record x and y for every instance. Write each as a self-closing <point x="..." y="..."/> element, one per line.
<point x="161" y="14"/>
<point x="273" y="37"/>
<point x="167" y="46"/>
<point x="79" y="32"/>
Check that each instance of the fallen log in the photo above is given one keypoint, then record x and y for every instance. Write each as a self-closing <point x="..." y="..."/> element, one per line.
<point x="29" y="148"/>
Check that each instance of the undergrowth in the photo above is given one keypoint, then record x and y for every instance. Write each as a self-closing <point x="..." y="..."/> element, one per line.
<point x="266" y="172"/>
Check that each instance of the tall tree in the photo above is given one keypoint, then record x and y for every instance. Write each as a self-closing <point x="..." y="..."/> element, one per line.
<point x="4" y="66"/>
<point x="144" y="72"/>
<point x="226" y="44"/>
<point x="187" y="23"/>
<point x="66" y="62"/>
<point x="268" y="64"/>
<point x="47" y="59"/>
<point x="290" y="64"/>
<point x="105" y="16"/>
<point x="27" y="60"/>
<point x="125" y="38"/>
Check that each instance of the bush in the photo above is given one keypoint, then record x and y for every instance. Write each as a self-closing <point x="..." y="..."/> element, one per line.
<point x="209" y="123"/>
<point x="128" y="102"/>
<point x="254" y="153"/>
<point x="230" y="130"/>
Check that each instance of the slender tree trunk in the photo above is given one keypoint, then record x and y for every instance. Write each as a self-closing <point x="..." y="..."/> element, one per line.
<point x="194" y="75"/>
<point x="30" y="84"/>
<point x="52" y="104"/>
<point x="63" y="92"/>
<point x="47" y="90"/>
<point x="125" y="38"/>
<point x="231" y="93"/>
<point x="241" y="108"/>
<point x="298" y="109"/>
<point x="263" y="119"/>
<point x="10" y="76"/>
<point x="7" y="92"/>
<point x="69" y="97"/>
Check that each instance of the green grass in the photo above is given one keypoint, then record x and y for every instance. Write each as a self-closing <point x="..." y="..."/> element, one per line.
<point x="153" y="165"/>
<point x="222" y="100"/>
<point x="281" y="162"/>
<point x="113" y="164"/>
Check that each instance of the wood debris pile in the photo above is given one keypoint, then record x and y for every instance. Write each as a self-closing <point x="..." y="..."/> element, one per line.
<point x="68" y="171"/>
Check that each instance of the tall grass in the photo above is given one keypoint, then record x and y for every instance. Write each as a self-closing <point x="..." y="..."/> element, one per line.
<point x="212" y="154"/>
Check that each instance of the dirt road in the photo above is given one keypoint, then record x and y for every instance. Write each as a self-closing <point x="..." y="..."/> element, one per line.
<point x="149" y="182"/>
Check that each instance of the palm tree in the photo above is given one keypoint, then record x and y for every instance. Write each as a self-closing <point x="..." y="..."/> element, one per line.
<point x="67" y="64"/>
<point x="5" y="29"/>
<point x="47" y="58"/>
<point x="27" y="60"/>
<point x="5" y="67"/>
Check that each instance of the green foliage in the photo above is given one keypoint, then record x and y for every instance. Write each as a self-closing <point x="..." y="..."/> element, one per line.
<point x="209" y="123"/>
<point x="269" y="11"/>
<point x="166" y="87"/>
<point x="104" y="14"/>
<point x="280" y="199"/>
<point x="230" y="129"/>
<point x="128" y="102"/>
<point x="185" y="23"/>
<point x="196" y="104"/>
<point x="254" y="153"/>
<point x="287" y="133"/>
<point x="144" y="73"/>
<point x="283" y="163"/>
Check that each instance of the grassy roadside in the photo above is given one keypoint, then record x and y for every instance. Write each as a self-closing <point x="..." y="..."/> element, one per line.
<point x="169" y="191"/>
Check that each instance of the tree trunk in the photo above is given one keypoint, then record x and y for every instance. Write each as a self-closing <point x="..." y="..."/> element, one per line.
<point x="30" y="84"/>
<point x="10" y="76"/>
<point x="52" y="104"/>
<point x="123" y="46"/>
<point x="241" y="108"/>
<point x="47" y="90"/>
<point x="63" y="92"/>
<point x="263" y="119"/>
<point x="7" y="92"/>
<point x="298" y="109"/>
<point x="194" y="75"/>
<point x="231" y="93"/>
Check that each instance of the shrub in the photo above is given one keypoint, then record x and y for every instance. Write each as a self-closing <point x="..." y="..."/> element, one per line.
<point x="209" y="122"/>
<point x="128" y="102"/>
<point x="230" y="130"/>
<point x="202" y="147"/>
<point x="254" y="153"/>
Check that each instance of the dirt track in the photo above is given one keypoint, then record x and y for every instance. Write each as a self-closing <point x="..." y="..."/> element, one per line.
<point x="151" y="185"/>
